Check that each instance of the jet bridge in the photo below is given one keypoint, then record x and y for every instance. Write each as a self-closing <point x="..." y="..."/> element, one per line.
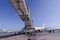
<point x="23" y="12"/>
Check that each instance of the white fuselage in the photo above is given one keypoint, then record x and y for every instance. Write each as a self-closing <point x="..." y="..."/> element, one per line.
<point x="41" y="29"/>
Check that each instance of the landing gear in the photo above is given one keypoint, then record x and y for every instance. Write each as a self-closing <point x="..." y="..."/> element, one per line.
<point x="31" y="36"/>
<point x="29" y="39"/>
<point x="38" y="31"/>
<point x="51" y="31"/>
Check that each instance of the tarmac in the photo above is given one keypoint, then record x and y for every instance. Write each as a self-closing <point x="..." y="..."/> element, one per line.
<point x="38" y="36"/>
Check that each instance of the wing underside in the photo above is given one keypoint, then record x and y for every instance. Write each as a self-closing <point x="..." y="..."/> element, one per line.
<point x="23" y="13"/>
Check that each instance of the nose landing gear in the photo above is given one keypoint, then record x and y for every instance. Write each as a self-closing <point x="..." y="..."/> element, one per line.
<point x="31" y="36"/>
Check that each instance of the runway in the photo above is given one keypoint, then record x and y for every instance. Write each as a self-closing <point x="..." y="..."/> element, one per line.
<point x="39" y="36"/>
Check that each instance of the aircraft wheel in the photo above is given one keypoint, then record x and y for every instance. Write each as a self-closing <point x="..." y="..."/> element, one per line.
<point x="38" y="30"/>
<point x="27" y="33"/>
<point x="53" y="30"/>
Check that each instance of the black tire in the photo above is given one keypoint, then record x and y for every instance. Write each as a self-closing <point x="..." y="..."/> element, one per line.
<point x="38" y="31"/>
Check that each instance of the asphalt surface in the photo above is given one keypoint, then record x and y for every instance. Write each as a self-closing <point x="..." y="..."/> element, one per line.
<point x="38" y="36"/>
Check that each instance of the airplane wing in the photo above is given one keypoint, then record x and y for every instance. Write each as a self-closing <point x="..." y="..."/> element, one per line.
<point x="23" y="12"/>
<point x="7" y="36"/>
<point x="11" y="35"/>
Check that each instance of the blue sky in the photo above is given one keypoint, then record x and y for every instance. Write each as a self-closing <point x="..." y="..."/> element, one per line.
<point x="41" y="11"/>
